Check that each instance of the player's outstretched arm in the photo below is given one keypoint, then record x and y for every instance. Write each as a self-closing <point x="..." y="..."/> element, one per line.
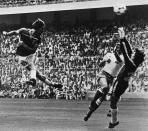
<point x="123" y="39"/>
<point x="117" y="56"/>
<point x="102" y="63"/>
<point x="14" y="32"/>
<point x="127" y="59"/>
<point x="128" y="46"/>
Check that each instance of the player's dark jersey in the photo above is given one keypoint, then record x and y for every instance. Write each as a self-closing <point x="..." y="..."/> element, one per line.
<point x="129" y="67"/>
<point x="127" y="71"/>
<point x="30" y="42"/>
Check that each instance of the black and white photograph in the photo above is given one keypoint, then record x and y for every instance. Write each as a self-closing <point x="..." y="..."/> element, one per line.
<point x="74" y="65"/>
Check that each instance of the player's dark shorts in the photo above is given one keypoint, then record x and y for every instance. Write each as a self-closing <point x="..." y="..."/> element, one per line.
<point x="120" y="87"/>
<point x="23" y="51"/>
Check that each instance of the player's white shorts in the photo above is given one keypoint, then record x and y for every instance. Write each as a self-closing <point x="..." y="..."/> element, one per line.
<point x="27" y="60"/>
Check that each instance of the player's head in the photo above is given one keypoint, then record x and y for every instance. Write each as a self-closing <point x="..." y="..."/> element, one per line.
<point x="138" y="57"/>
<point x="38" y="25"/>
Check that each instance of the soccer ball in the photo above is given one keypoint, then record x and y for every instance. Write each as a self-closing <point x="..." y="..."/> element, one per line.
<point x="119" y="10"/>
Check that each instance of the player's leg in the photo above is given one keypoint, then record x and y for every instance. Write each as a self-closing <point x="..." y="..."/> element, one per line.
<point x="42" y="78"/>
<point x="47" y="81"/>
<point x="39" y="75"/>
<point x="32" y="80"/>
<point x="108" y="96"/>
<point x="36" y="74"/>
<point x="24" y="63"/>
<point x="119" y="89"/>
<point x="114" y="111"/>
<point x="112" y="83"/>
<point x="113" y="105"/>
<point x="95" y="103"/>
<point x="98" y="98"/>
<point x="31" y="61"/>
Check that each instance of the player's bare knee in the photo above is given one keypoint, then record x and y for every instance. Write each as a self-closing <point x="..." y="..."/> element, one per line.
<point x="33" y="74"/>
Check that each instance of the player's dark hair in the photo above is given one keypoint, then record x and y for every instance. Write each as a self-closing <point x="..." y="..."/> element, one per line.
<point x="37" y="24"/>
<point x="139" y="57"/>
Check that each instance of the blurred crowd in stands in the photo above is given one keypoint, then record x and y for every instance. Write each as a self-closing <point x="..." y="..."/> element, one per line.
<point x="70" y="57"/>
<point x="15" y="3"/>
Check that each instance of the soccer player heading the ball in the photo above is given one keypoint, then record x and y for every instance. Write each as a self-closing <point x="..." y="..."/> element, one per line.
<point x="29" y="41"/>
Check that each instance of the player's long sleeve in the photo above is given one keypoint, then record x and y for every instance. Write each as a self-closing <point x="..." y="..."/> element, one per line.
<point x="127" y="59"/>
<point x="102" y="63"/>
<point x="128" y="46"/>
<point x="117" y="57"/>
<point x="14" y="32"/>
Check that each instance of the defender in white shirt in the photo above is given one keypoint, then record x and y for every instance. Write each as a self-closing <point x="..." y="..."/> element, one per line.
<point x="111" y="63"/>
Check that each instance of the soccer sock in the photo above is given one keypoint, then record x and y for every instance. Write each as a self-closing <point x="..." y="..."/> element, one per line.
<point x="97" y="95"/>
<point x="96" y="100"/>
<point x="100" y="97"/>
<point x="99" y="100"/>
<point x="114" y="113"/>
<point x="95" y="103"/>
<point x="43" y="79"/>
<point x="48" y="82"/>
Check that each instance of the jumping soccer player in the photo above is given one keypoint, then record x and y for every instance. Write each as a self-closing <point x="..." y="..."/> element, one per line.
<point x="132" y="62"/>
<point x="29" y="41"/>
<point x="111" y="64"/>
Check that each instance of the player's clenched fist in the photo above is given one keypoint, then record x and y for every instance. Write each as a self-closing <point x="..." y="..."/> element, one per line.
<point x="4" y="33"/>
<point x="121" y="32"/>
